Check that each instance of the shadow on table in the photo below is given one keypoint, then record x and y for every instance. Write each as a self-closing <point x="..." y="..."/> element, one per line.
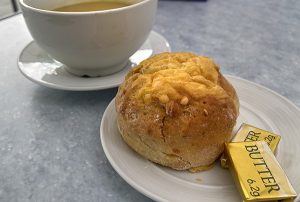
<point x="61" y="98"/>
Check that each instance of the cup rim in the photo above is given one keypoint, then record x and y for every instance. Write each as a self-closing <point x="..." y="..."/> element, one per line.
<point x="85" y="12"/>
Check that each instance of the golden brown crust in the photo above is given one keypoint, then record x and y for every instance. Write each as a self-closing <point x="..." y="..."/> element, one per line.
<point x="183" y="131"/>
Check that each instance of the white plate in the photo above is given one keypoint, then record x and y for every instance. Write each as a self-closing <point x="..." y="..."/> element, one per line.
<point x="259" y="106"/>
<point x="36" y="65"/>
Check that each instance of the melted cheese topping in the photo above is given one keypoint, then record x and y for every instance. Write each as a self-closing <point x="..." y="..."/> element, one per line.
<point x="201" y="168"/>
<point x="177" y="76"/>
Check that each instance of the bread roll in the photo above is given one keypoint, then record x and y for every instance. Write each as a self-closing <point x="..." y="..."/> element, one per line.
<point x="177" y="110"/>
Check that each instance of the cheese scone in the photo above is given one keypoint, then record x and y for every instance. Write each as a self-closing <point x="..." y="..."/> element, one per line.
<point x="177" y="110"/>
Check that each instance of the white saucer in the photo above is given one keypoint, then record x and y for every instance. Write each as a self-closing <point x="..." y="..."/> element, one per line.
<point x="36" y="65"/>
<point x="259" y="106"/>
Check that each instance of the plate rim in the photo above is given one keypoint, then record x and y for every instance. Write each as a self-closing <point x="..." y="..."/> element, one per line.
<point x="79" y="88"/>
<point x="136" y="186"/>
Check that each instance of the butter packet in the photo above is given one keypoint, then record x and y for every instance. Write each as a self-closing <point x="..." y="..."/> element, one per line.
<point x="248" y="133"/>
<point x="257" y="173"/>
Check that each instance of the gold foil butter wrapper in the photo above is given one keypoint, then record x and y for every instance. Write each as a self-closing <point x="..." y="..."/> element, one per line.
<point x="257" y="173"/>
<point x="248" y="133"/>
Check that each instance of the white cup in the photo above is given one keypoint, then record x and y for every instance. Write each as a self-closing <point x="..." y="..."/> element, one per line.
<point x="94" y="43"/>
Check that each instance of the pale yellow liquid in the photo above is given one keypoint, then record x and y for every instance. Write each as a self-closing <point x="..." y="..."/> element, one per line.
<point x="91" y="6"/>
